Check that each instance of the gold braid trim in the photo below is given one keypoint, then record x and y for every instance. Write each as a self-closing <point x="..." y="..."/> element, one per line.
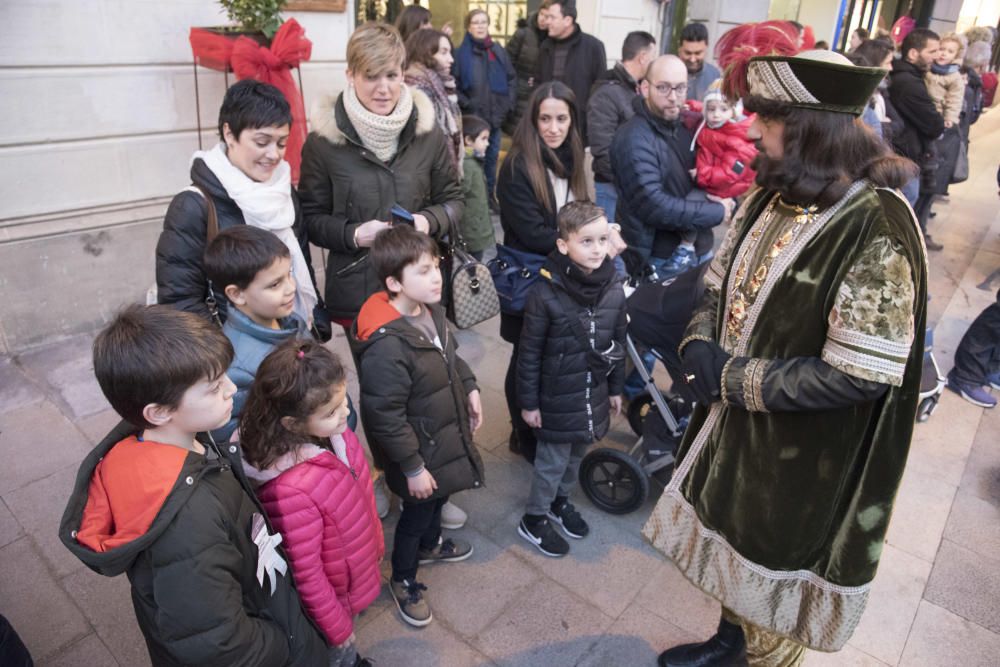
<point x="753" y="384"/>
<point x="722" y="382"/>
<point x="693" y="337"/>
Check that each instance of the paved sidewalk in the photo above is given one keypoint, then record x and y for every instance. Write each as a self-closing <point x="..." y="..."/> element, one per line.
<point x="613" y="601"/>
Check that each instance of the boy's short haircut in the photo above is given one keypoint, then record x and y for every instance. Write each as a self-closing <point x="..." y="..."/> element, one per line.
<point x="250" y="104"/>
<point x="472" y="126"/>
<point x="398" y="247"/>
<point x="153" y="354"/>
<point x="239" y="253"/>
<point x="575" y="215"/>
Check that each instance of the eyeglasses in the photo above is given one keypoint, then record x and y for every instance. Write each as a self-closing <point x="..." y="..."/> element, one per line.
<point x="666" y="89"/>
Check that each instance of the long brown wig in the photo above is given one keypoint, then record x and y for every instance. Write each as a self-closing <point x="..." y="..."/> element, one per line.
<point x="824" y="152"/>
<point x="528" y="144"/>
<point x="293" y="381"/>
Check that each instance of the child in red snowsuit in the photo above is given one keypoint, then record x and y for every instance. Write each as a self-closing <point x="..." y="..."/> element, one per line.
<point x="722" y="165"/>
<point x="724" y="152"/>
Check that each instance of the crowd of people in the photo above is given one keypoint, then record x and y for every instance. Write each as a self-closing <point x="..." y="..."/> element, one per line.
<point x="246" y="512"/>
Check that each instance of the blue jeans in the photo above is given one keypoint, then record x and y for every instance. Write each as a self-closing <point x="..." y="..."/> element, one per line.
<point x="490" y="162"/>
<point x="911" y="190"/>
<point x="607" y="198"/>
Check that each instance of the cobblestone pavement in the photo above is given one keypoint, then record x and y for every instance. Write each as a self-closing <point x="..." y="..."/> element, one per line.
<point x="613" y="601"/>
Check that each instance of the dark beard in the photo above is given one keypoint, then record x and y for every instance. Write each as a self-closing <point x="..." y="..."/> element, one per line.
<point x="773" y="175"/>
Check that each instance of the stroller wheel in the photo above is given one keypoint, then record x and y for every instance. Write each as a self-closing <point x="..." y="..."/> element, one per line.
<point x="613" y="481"/>
<point x="926" y="408"/>
<point x="638" y="408"/>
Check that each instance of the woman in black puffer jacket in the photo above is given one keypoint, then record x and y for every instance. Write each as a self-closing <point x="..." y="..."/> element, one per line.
<point x="248" y="182"/>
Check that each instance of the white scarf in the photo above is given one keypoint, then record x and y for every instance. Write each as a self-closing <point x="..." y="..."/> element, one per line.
<point x="269" y="206"/>
<point x="379" y="133"/>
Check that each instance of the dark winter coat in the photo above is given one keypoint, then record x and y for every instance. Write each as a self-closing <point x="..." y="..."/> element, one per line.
<point x="922" y="123"/>
<point x="477" y="226"/>
<point x="553" y="372"/>
<point x="344" y="184"/>
<point x="414" y="399"/>
<point x="526" y="223"/>
<point x="523" y="51"/>
<point x="610" y="105"/>
<point x="478" y="99"/>
<point x="180" y="274"/>
<point x="585" y="64"/>
<point x="193" y="571"/>
<point x="651" y="159"/>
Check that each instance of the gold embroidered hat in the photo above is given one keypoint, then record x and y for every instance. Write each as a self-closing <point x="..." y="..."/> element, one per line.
<point x="818" y="79"/>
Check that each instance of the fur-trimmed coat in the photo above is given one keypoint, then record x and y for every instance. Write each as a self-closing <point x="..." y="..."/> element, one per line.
<point x="344" y="184"/>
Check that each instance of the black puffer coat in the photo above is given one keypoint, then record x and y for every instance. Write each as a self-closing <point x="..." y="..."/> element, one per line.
<point x="180" y="276"/>
<point x="344" y="184"/>
<point x="610" y="105"/>
<point x="553" y="372"/>
<point x="650" y="160"/>
<point x="194" y="571"/>
<point x="922" y="123"/>
<point x="414" y="399"/>
<point x="523" y="51"/>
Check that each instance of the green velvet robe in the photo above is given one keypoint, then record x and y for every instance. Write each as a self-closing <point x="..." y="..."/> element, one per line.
<point x="782" y="516"/>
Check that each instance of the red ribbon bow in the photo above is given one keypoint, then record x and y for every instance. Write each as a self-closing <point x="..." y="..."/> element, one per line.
<point x="250" y="60"/>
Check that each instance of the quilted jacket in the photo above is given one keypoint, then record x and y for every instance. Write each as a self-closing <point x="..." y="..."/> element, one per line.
<point x="325" y="512"/>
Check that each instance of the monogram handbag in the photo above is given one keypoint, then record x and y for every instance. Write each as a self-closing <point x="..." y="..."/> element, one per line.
<point x="471" y="298"/>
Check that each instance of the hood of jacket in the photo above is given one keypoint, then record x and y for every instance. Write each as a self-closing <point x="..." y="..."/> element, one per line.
<point x="127" y="493"/>
<point x="329" y="119"/>
<point x="285" y="462"/>
<point x="376" y="312"/>
<point x="291" y="327"/>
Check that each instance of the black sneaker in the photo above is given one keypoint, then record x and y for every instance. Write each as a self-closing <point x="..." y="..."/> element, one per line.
<point x="446" y="551"/>
<point x="541" y="534"/>
<point x="566" y="517"/>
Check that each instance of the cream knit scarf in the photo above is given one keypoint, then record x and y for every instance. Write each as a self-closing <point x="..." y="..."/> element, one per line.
<point x="379" y="133"/>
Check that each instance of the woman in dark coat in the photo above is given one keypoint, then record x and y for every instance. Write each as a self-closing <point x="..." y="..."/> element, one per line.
<point x="373" y="146"/>
<point x="487" y="84"/>
<point x="246" y="181"/>
<point x="542" y="173"/>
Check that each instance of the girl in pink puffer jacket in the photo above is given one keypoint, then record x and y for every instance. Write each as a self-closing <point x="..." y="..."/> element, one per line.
<point x="314" y="484"/>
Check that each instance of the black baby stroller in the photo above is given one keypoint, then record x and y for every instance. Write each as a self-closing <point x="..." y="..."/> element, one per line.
<point x="931" y="381"/>
<point x="616" y="481"/>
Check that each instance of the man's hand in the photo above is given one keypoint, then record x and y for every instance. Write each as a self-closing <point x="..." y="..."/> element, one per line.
<point x="532" y="418"/>
<point x="702" y="366"/>
<point x="616" y="405"/>
<point x="422" y="486"/>
<point x="421" y="223"/>
<point x="728" y="204"/>
<point x="475" y="410"/>
<point x="366" y="232"/>
<point x="616" y="244"/>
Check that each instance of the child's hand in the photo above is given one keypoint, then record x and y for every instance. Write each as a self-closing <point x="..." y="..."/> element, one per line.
<point x="948" y="123"/>
<point x="347" y="642"/>
<point x="422" y="486"/>
<point x="532" y="418"/>
<point x="475" y="410"/>
<point x="616" y="405"/>
<point x="421" y="223"/>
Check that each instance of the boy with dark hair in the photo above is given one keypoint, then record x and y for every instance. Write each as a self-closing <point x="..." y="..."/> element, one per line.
<point x="477" y="226"/>
<point x="420" y="407"/>
<point x="252" y="267"/>
<point x="175" y="512"/>
<point x="570" y="370"/>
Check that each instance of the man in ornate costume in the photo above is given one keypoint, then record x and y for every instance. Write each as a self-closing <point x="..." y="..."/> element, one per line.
<point x="805" y="356"/>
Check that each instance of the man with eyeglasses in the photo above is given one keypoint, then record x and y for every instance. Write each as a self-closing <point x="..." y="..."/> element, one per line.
<point x="651" y="157"/>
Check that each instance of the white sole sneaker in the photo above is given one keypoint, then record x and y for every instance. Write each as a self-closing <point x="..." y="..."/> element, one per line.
<point x="536" y="542"/>
<point x="566" y="531"/>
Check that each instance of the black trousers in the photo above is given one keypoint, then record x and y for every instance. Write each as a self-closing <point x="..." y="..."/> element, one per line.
<point x="419" y="527"/>
<point x="510" y="331"/>
<point x="978" y="355"/>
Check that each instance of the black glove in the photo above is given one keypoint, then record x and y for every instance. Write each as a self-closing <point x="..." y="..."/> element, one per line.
<point x="702" y="368"/>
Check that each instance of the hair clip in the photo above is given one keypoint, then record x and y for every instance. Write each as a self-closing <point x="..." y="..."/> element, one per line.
<point x="301" y="354"/>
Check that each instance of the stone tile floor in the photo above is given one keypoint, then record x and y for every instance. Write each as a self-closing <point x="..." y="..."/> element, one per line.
<point x="613" y="601"/>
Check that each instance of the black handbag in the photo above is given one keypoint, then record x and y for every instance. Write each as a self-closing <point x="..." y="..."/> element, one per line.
<point x="514" y="272"/>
